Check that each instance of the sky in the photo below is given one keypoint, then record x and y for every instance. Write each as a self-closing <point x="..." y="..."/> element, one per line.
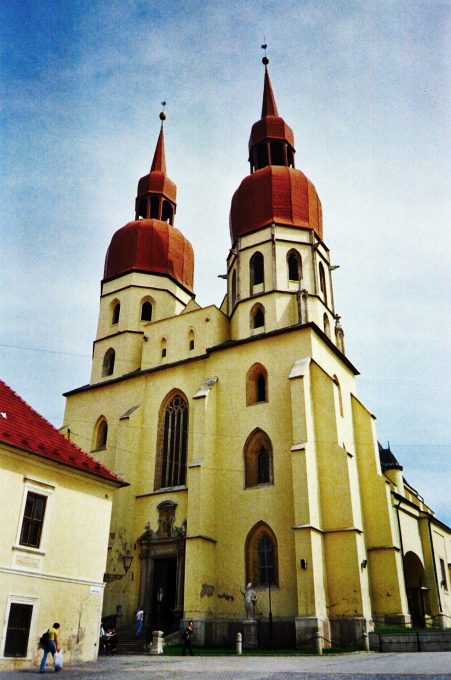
<point x="364" y="84"/>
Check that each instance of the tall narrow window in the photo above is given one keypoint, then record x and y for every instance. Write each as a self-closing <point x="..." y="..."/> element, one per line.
<point x="340" y="396"/>
<point x="322" y="282"/>
<point x="116" y="313"/>
<point x="170" y="469"/>
<point x="257" y="316"/>
<point x="18" y="629"/>
<point x="258" y="459"/>
<point x="191" y="340"/>
<point x="146" y="311"/>
<point x="294" y="265"/>
<point x="142" y="208"/>
<point x="444" y="581"/>
<point x="266" y="560"/>
<point x="261" y="556"/>
<point x="100" y="434"/>
<point x="256" y="384"/>
<point x="163" y="348"/>
<point x="33" y="520"/>
<point x="263" y="463"/>
<point x="108" y="362"/>
<point x="234" y="287"/>
<point x="326" y="324"/>
<point x="257" y="269"/>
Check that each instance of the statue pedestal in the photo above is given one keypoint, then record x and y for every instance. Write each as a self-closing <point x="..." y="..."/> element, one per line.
<point x="250" y="634"/>
<point x="157" y="642"/>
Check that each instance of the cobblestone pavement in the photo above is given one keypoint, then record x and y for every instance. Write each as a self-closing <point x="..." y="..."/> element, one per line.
<point x="358" y="666"/>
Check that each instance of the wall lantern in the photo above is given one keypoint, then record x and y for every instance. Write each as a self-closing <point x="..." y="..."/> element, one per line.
<point x="127" y="560"/>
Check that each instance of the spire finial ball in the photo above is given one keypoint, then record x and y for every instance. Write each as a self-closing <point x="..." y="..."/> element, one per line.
<point x="162" y="116"/>
<point x="265" y="61"/>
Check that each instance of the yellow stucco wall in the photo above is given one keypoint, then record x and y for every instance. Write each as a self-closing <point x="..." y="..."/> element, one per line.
<point x="63" y="579"/>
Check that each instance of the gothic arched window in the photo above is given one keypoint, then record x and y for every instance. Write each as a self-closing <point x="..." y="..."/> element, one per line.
<point x="322" y="282"/>
<point x="100" y="434"/>
<point x="256" y="269"/>
<point x="257" y="316"/>
<point x="170" y="466"/>
<point x="191" y="339"/>
<point x="261" y="556"/>
<point x="116" y="312"/>
<point x="258" y="467"/>
<point x="294" y="263"/>
<point x="108" y="362"/>
<point x="146" y="311"/>
<point x="256" y="385"/>
<point x="340" y="396"/>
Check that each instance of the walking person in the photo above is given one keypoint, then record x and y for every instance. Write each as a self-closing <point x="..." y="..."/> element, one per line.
<point x="187" y="638"/>
<point x="139" y="622"/>
<point x="52" y="645"/>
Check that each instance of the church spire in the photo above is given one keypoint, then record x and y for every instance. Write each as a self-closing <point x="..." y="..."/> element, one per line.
<point x="159" y="158"/>
<point x="269" y="106"/>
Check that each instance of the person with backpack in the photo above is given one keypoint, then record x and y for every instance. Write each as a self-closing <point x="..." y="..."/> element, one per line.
<point x="50" y="643"/>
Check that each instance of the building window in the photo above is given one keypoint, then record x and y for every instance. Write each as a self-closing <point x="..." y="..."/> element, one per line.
<point x="261" y="556"/>
<point x="294" y="263"/>
<point x="116" y="313"/>
<point x="33" y="520"/>
<point x="18" y="629"/>
<point x="444" y="581"/>
<point x="258" y="316"/>
<point x="258" y="467"/>
<point x="191" y="340"/>
<point x="326" y="324"/>
<point x="322" y="282"/>
<point x="100" y="434"/>
<point x="256" y="269"/>
<point x="108" y="362"/>
<point x="146" y="311"/>
<point x="163" y="348"/>
<point x="262" y="155"/>
<point x="340" y="396"/>
<point x="142" y="209"/>
<point x="170" y="469"/>
<point x="256" y="385"/>
<point x="234" y="287"/>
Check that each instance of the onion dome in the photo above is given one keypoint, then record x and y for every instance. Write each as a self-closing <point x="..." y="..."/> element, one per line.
<point x="151" y="243"/>
<point x="274" y="192"/>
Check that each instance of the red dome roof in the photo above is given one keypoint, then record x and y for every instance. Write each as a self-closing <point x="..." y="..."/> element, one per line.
<point x="151" y="246"/>
<point x="275" y="194"/>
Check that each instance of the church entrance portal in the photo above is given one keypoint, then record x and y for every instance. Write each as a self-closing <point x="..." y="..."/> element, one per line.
<point x="417" y="593"/>
<point x="164" y="595"/>
<point x="163" y="572"/>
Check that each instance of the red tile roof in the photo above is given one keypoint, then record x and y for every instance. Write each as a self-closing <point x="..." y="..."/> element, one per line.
<point x="21" y="427"/>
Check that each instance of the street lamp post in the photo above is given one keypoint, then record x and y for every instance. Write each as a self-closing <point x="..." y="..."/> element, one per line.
<point x="160" y="596"/>
<point x="270" y="612"/>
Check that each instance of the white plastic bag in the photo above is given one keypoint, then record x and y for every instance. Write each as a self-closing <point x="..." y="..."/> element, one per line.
<point x="58" y="660"/>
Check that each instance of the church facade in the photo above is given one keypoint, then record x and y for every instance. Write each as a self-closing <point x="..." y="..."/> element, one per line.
<point x="249" y="457"/>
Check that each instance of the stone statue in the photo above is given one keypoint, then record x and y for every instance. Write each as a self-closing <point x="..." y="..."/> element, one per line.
<point x="250" y="601"/>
